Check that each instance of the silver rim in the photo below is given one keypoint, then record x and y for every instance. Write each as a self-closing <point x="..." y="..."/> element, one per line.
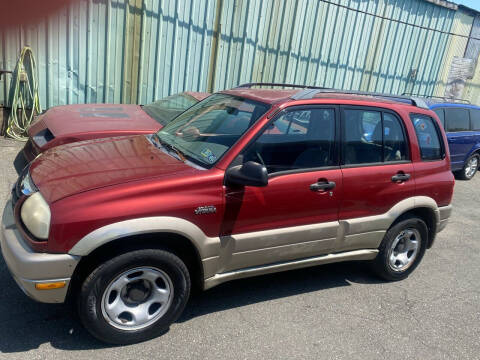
<point x="404" y="250"/>
<point x="471" y="167"/>
<point x="137" y="298"/>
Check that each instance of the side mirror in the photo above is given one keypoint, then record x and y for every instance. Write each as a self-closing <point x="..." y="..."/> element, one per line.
<point x="249" y="174"/>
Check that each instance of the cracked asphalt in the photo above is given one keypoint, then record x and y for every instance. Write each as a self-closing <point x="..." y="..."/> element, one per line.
<point x="337" y="311"/>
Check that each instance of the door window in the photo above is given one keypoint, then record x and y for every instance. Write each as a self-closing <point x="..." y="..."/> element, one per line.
<point x="369" y="140"/>
<point x="457" y="119"/>
<point x="475" y="116"/>
<point x="363" y="137"/>
<point x="441" y="115"/>
<point x="395" y="145"/>
<point x="428" y="137"/>
<point x="297" y="139"/>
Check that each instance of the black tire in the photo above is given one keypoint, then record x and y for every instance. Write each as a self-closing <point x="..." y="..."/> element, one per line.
<point x="89" y="303"/>
<point x="382" y="266"/>
<point x="464" y="174"/>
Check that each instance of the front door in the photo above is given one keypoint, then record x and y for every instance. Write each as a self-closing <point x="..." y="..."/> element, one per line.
<point x="296" y="214"/>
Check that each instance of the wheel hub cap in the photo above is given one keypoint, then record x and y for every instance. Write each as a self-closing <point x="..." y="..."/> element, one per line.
<point x="404" y="250"/>
<point x="137" y="298"/>
<point x="471" y="167"/>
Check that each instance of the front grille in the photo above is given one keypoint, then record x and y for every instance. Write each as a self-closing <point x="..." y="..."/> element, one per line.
<point x="17" y="188"/>
<point x="16" y="193"/>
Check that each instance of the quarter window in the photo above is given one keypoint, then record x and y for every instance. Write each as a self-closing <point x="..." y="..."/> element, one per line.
<point x="428" y="137"/>
<point x="475" y="116"/>
<point x="457" y="119"/>
<point x="299" y="139"/>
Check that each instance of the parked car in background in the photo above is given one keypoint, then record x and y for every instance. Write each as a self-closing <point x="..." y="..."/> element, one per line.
<point x="246" y="182"/>
<point x="462" y="125"/>
<point x="71" y="123"/>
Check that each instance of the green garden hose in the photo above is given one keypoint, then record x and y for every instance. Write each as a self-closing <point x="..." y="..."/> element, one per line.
<point x="23" y="96"/>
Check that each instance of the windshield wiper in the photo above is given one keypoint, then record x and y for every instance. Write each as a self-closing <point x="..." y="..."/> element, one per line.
<point x="170" y="147"/>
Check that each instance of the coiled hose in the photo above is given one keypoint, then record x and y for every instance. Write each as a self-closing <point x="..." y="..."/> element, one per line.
<point x="23" y="96"/>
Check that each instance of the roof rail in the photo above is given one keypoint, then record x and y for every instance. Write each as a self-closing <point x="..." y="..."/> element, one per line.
<point x="249" y="85"/>
<point x="415" y="101"/>
<point x="308" y="92"/>
<point x="463" y="101"/>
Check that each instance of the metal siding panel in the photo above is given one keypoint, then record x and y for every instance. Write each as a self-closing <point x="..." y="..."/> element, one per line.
<point x="129" y="50"/>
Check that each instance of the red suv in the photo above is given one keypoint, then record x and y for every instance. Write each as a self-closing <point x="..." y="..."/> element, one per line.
<point x="246" y="182"/>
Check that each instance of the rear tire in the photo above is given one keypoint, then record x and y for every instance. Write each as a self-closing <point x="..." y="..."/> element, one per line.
<point x="469" y="169"/>
<point x="134" y="297"/>
<point x="402" y="249"/>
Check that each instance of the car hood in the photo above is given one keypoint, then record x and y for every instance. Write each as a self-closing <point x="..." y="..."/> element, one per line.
<point x="73" y="168"/>
<point x="80" y="122"/>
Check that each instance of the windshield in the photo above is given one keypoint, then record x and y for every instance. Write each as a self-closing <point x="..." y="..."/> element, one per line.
<point x="208" y="129"/>
<point x="166" y="109"/>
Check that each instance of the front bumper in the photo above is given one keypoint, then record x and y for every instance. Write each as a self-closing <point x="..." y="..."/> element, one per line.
<point x="29" y="268"/>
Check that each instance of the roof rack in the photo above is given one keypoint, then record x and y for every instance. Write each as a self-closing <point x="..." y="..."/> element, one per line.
<point x="308" y="92"/>
<point x="249" y="85"/>
<point x="463" y="101"/>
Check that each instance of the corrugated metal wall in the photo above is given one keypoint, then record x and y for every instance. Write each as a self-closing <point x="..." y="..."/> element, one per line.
<point x="455" y="47"/>
<point x="138" y="51"/>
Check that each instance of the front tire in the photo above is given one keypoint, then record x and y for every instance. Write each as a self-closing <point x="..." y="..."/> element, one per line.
<point x="470" y="168"/>
<point x="402" y="249"/>
<point x="134" y="297"/>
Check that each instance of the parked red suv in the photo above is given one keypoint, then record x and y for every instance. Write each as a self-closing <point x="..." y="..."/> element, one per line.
<point x="72" y="123"/>
<point x="246" y="182"/>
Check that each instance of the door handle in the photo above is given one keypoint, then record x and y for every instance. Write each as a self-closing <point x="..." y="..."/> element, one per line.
<point x="322" y="186"/>
<point x="400" y="177"/>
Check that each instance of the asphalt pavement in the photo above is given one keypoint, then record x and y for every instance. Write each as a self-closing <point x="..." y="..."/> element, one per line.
<point x="338" y="311"/>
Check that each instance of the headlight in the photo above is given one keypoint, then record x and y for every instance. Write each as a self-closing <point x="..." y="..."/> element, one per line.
<point x="35" y="214"/>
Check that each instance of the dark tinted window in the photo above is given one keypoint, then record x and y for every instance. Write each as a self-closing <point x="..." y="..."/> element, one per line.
<point x="299" y="139"/>
<point x="428" y="137"/>
<point x="457" y="119"/>
<point x="441" y="115"/>
<point x="363" y="137"/>
<point x="395" y="148"/>
<point x="475" y="116"/>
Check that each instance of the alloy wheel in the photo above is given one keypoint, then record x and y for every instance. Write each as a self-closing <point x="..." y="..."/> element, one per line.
<point x="137" y="298"/>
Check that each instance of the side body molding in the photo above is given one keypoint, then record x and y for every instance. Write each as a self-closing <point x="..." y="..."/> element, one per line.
<point x="206" y="246"/>
<point x="355" y="239"/>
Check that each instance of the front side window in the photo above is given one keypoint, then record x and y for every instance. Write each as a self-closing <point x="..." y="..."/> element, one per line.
<point x="296" y="139"/>
<point x="457" y="119"/>
<point x="208" y="129"/>
<point x="428" y="137"/>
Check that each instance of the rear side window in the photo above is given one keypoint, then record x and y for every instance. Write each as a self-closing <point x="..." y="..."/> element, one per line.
<point x="428" y="137"/>
<point x="395" y="146"/>
<point x="368" y="139"/>
<point x="475" y="116"/>
<point x="441" y="115"/>
<point x="457" y="119"/>
<point x="363" y="137"/>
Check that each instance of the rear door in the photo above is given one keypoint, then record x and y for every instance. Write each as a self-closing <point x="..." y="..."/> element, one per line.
<point x="296" y="214"/>
<point x="377" y="172"/>
<point x="460" y="137"/>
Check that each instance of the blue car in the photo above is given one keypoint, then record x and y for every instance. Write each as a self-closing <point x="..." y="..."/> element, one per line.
<point x="462" y="126"/>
